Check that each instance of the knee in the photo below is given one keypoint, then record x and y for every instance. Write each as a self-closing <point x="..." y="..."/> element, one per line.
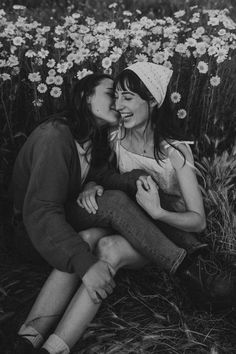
<point x="90" y="236"/>
<point x="108" y="250"/>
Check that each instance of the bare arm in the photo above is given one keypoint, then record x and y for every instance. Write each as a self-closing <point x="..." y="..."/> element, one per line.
<point x="193" y="219"/>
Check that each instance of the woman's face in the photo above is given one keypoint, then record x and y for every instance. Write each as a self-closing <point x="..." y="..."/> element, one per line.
<point x="102" y="103"/>
<point x="133" y="109"/>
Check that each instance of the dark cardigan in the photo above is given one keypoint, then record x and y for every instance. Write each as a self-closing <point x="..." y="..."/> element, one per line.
<point x="46" y="175"/>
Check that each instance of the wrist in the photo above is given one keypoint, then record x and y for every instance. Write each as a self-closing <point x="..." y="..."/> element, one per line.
<point x="158" y="214"/>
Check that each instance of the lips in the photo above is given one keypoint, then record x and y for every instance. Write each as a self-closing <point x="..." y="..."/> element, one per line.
<point x="126" y="116"/>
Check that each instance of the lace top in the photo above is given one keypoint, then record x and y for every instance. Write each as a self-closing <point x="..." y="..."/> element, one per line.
<point x="163" y="173"/>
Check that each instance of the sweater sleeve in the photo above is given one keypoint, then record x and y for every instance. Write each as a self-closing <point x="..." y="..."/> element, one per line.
<point x="43" y="211"/>
<point x="109" y="178"/>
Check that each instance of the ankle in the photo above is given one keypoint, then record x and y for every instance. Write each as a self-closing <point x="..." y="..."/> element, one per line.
<point x="56" y="345"/>
<point x="31" y="334"/>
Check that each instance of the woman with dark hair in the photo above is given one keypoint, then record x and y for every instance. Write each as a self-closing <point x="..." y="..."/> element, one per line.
<point x="51" y="169"/>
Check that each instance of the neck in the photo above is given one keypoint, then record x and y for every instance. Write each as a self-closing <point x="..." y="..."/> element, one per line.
<point x="142" y="131"/>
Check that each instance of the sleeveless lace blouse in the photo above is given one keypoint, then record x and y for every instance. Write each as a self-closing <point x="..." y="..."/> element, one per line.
<point x="164" y="174"/>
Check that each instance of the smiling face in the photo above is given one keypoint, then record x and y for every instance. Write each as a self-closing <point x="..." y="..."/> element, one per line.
<point x="133" y="109"/>
<point x="102" y="103"/>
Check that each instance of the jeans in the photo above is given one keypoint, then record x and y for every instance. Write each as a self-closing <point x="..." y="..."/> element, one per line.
<point x="117" y="211"/>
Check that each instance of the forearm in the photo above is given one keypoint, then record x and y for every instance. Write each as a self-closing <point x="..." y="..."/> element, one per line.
<point x="109" y="178"/>
<point x="190" y="221"/>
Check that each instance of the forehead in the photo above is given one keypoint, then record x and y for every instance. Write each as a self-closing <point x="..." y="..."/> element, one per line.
<point x="105" y="84"/>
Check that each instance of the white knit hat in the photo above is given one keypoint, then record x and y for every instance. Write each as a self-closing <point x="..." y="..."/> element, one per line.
<point x="155" y="77"/>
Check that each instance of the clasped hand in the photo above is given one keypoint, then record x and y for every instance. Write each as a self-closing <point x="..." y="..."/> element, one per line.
<point x="87" y="198"/>
<point x="147" y="196"/>
<point x="98" y="281"/>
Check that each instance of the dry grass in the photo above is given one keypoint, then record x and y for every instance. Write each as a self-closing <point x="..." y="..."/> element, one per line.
<point x="148" y="313"/>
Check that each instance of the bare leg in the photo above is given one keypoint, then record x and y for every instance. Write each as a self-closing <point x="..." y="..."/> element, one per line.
<point x="58" y="291"/>
<point x="81" y="310"/>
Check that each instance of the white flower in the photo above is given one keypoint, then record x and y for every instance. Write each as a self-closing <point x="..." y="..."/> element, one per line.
<point x="135" y="42"/>
<point x="158" y="58"/>
<point x="191" y="42"/>
<point x="106" y="63"/>
<point x="180" y="13"/>
<point x="52" y="72"/>
<point x="55" y="92"/>
<point x="38" y="102"/>
<point x="50" y="80"/>
<point x="113" y="5"/>
<point x="83" y="73"/>
<point x="127" y="13"/>
<point x="141" y="57"/>
<point x="181" y="48"/>
<point x="18" y="41"/>
<point x="58" y="80"/>
<point x="214" y="21"/>
<point x="12" y="61"/>
<point x="215" y="80"/>
<point x="212" y="50"/>
<point x="222" y="32"/>
<point x="181" y="113"/>
<point x="19" y="7"/>
<point x="30" y="53"/>
<point x="201" y="48"/>
<point x="175" y="97"/>
<point x="168" y="64"/>
<point x="60" y="45"/>
<point x="202" y="67"/>
<point x="43" y="53"/>
<point x="51" y="63"/>
<point x="42" y="88"/>
<point x="34" y="77"/>
<point x="62" y="68"/>
<point x="5" y="77"/>
<point x="2" y="63"/>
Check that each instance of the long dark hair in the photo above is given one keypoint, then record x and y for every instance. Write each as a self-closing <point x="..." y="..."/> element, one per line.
<point x="161" y="119"/>
<point x="81" y="120"/>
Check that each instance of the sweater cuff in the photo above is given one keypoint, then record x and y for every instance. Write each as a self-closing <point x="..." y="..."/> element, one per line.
<point x="82" y="262"/>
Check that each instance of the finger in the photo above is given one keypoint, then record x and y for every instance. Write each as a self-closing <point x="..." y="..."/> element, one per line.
<point x="90" y="205"/>
<point x="152" y="184"/>
<point x="86" y="207"/>
<point x="101" y="293"/>
<point x="100" y="190"/>
<point x="94" y="202"/>
<point x="145" y="183"/>
<point x="109" y="289"/>
<point x="94" y="297"/>
<point x="80" y="204"/>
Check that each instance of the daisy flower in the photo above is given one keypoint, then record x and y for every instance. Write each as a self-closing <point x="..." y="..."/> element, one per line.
<point x="55" y="92"/>
<point x="202" y="67"/>
<point x="215" y="80"/>
<point x="42" y="88"/>
<point x="175" y="97"/>
<point x="34" y="77"/>
<point x="181" y="113"/>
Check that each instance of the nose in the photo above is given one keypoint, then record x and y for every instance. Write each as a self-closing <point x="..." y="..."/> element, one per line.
<point x="119" y="103"/>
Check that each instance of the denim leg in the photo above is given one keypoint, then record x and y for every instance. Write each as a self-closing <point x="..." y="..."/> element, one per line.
<point x="183" y="239"/>
<point x="118" y="211"/>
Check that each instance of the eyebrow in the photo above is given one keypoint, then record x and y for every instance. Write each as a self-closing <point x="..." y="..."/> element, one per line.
<point x="126" y="92"/>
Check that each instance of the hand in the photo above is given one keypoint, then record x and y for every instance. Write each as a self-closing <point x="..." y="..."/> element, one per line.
<point x="147" y="196"/>
<point x="87" y="198"/>
<point x="99" y="281"/>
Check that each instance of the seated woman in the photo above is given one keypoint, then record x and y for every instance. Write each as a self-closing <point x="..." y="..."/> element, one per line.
<point x="47" y="180"/>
